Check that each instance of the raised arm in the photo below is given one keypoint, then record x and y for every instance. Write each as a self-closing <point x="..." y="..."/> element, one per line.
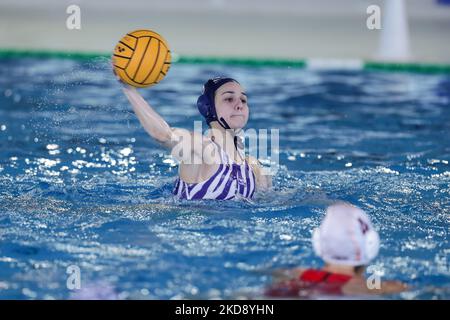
<point x="174" y="139"/>
<point x="152" y="122"/>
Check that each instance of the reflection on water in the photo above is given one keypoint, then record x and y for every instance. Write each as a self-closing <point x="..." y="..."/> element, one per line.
<point x="82" y="184"/>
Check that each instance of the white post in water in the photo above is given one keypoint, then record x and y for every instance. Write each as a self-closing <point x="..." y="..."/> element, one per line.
<point x="394" y="36"/>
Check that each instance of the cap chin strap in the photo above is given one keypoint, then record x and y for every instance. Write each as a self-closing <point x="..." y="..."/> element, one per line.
<point x="223" y="123"/>
<point x="237" y="140"/>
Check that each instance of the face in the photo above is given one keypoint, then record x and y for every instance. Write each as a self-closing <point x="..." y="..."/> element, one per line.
<point x="231" y="104"/>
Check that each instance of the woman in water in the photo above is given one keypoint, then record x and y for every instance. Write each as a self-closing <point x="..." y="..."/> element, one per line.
<point x="347" y="242"/>
<point x="212" y="166"/>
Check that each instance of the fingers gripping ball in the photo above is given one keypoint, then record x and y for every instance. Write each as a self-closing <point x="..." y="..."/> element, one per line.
<point x="141" y="58"/>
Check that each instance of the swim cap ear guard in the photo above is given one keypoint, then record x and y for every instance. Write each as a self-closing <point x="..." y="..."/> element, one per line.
<point x="371" y="245"/>
<point x="206" y="109"/>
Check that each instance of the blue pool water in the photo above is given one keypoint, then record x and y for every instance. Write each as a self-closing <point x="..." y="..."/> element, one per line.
<point x="82" y="184"/>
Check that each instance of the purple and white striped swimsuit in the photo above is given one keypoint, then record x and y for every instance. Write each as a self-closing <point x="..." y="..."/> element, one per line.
<point x="229" y="181"/>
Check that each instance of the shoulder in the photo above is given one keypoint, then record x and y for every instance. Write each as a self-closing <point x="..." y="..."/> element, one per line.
<point x="393" y="287"/>
<point x="255" y="164"/>
<point x="184" y="144"/>
<point x="190" y="138"/>
<point x="253" y="160"/>
<point x="358" y="285"/>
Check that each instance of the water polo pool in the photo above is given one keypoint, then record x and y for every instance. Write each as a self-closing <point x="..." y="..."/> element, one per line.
<point x="82" y="184"/>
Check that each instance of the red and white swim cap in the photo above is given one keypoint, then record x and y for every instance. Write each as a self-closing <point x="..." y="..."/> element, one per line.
<point x="346" y="236"/>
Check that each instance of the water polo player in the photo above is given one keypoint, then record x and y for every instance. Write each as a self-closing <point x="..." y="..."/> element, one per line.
<point x="213" y="165"/>
<point x="347" y="242"/>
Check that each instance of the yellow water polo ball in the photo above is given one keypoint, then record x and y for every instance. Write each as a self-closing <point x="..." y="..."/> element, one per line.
<point x="141" y="58"/>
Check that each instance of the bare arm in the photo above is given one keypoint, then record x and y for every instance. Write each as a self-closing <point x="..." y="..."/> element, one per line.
<point x="179" y="141"/>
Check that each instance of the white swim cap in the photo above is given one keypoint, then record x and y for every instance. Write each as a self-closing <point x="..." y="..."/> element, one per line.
<point x="346" y="236"/>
